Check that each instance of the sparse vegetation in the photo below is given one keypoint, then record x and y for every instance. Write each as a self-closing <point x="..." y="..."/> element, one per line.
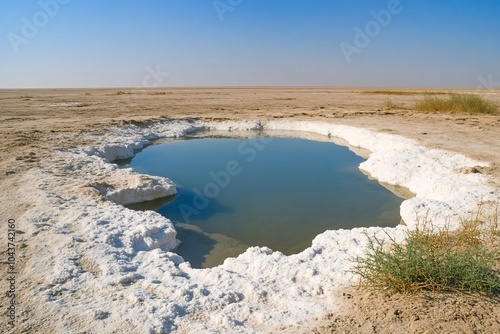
<point x="121" y="92"/>
<point x="457" y="103"/>
<point x="402" y="92"/>
<point x="440" y="260"/>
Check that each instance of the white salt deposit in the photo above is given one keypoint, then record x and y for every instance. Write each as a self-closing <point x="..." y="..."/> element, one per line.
<point x="104" y="268"/>
<point x="126" y="187"/>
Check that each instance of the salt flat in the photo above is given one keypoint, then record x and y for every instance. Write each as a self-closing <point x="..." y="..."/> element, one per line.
<point x="87" y="264"/>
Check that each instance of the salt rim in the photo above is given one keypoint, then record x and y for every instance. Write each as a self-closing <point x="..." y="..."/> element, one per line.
<point x="100" y="267"/>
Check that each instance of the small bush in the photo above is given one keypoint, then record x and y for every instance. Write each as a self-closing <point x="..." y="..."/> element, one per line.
<point x="457" y="103"/>
<point x="462" y="260"/>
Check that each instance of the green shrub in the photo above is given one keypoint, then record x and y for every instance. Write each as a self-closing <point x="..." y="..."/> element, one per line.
<point x="463" y="260"/>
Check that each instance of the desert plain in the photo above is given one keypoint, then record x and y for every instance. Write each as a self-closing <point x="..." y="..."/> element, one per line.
<point x="35" y="123"/>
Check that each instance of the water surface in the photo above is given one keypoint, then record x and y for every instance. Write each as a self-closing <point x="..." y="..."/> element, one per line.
<point x="274" y="192"/>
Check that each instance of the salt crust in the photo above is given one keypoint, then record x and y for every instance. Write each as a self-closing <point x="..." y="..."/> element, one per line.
<point x="108" y="268"/>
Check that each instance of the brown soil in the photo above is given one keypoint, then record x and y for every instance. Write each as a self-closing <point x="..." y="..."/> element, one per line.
<point x="378" y="313"/>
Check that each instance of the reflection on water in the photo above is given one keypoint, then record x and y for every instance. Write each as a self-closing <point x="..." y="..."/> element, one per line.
<point x="274" y="192"/>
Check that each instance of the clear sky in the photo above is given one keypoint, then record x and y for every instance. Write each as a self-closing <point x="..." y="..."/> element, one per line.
<point x="97" y="43"/>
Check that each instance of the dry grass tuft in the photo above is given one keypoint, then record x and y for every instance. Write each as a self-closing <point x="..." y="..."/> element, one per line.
<point x="457" y="103"/>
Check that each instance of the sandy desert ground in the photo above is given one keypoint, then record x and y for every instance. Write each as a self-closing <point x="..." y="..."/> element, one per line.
<point x="34" y="123"/>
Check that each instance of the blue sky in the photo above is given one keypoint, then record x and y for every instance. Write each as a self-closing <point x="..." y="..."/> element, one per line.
<point x="90" y="43"/>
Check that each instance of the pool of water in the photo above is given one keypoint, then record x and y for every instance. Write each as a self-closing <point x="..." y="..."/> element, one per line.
<point x="274" y="192"/>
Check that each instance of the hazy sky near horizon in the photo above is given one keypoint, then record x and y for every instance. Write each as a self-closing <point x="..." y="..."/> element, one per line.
<point x="90" y="43"/>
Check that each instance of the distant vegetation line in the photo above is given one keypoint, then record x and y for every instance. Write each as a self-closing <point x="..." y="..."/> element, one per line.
<point x="452" y="103"/>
